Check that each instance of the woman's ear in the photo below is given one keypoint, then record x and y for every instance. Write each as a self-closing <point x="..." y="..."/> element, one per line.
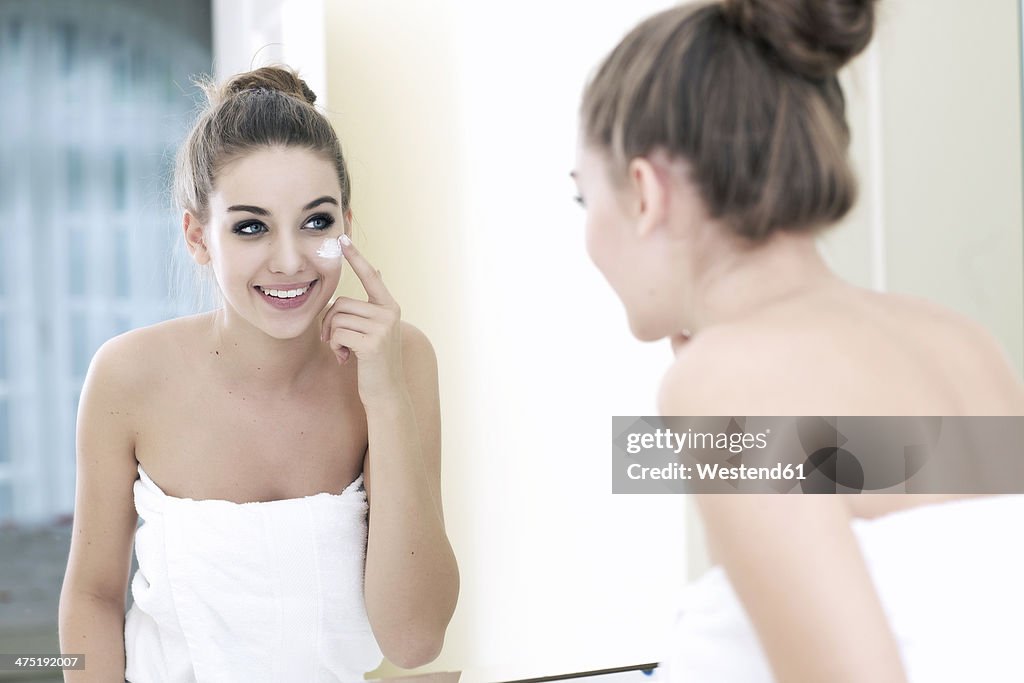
<point x="650" y="195"/>
<point x="348" y="221"/>
<point x="195" y="238"/>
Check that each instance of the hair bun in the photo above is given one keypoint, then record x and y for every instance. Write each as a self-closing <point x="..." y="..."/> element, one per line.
<point x="814" y="38"/>
<point x="277" y="78"/>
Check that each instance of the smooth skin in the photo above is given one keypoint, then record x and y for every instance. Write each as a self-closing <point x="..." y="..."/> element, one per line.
<point x="770" y="330"/>
<point x="200" y="403"/>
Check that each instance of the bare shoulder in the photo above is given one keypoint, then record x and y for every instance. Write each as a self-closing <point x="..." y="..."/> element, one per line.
<point x="133" y="359"/>
<point x="969" y="352"/>
<point x="736" y="371"/>
<point x="956" y="325"/>
<point x="418" y="356"/>
<point x="855" y="353"/>
<point x="414" y="339"/>
<point x="120" y="378"/>
<point x="126" y="372"/>
<point x="120" y="360"/>
<point x="419" y="363"/>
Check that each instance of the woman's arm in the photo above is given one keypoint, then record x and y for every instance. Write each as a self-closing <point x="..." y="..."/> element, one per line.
<point x="791" y="558"/>
<point x="796" y="567"/>
<point x="92" y="600"/>
<point x="412" y="580"/>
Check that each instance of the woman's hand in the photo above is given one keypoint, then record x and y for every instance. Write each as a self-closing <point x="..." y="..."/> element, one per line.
<point x="370" y="329"/>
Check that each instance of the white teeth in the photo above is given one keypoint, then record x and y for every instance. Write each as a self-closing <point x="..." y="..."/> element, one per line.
<point x="283" y="294"/>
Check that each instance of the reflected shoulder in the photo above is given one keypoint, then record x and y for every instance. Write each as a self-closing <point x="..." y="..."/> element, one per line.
<point x="719" y="372"/>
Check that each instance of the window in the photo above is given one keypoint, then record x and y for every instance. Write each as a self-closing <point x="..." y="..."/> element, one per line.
<point x="5" y="454"/>
<point x="94" y="106"/>
<point x="5" y="430"/>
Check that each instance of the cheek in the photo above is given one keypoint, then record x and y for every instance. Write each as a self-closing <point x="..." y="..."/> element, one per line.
<point x="330" y="274"/>
<point x="598" y="239"/>
<point x="590" y="238"/>
<point x="330" y="267"/>
<point x="236" y="266"/>
<point x="329" y="270"/>
<point x="231" y="261"/>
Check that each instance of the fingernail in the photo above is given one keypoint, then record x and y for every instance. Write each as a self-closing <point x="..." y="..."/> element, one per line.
<point x="345" y="240"/>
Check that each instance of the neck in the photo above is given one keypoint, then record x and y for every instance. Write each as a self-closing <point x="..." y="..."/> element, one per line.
<point x="250" y="357"/>
<point x="743" y="281"/>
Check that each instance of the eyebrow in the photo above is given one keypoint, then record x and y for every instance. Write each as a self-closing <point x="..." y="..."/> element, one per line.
<point x="259" y="211"/>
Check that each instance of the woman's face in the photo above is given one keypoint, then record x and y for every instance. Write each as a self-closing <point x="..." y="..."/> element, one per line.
<point x="270" y="210"/>
<point x="637" y="263"/>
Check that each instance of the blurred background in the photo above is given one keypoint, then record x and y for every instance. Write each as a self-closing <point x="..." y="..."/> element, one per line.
<point x="458" y="120"/>
<point x="95" y="97"/>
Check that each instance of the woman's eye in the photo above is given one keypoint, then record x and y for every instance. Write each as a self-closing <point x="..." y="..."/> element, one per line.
<point x="249" y="228"/>
<point x="320" y="221"/>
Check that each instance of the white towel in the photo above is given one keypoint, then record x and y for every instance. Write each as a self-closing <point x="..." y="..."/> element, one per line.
<point x="256" y="592"/>
<point x="950" y="577"/>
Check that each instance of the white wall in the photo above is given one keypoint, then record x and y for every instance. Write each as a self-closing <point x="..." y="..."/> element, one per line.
<point x="578" y="582"/>
<point x="951" y="127"/>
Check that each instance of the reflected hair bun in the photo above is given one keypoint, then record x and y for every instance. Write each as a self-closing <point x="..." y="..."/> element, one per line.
<point x="813" y="38"/>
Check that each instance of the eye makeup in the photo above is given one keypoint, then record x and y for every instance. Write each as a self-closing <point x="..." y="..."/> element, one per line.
<point x="242" y="228"/>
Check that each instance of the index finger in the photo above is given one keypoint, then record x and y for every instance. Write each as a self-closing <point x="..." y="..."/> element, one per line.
<point x="373" y="283"/>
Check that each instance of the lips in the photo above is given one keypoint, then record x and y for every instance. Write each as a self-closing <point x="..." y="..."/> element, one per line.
<point x="286" y="296"/>
<point x="284" y="291"/>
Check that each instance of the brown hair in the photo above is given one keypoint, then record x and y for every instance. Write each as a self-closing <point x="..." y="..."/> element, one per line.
<point x="266" y="107"/>
<point x="746" y="92"/>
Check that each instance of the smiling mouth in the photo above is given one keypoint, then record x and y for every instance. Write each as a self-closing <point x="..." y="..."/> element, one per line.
<point x="284" y="293"/>
<point x="285" y="298"/>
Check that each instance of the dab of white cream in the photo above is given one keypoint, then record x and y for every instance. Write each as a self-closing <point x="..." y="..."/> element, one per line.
<point x="330" y="248"/>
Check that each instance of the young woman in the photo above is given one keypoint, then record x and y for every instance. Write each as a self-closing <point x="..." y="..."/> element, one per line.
<point x="713" y="149"/>
<point x="282" y="450"/>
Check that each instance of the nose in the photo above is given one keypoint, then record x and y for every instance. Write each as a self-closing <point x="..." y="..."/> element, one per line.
<point x="286" y="256"/>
